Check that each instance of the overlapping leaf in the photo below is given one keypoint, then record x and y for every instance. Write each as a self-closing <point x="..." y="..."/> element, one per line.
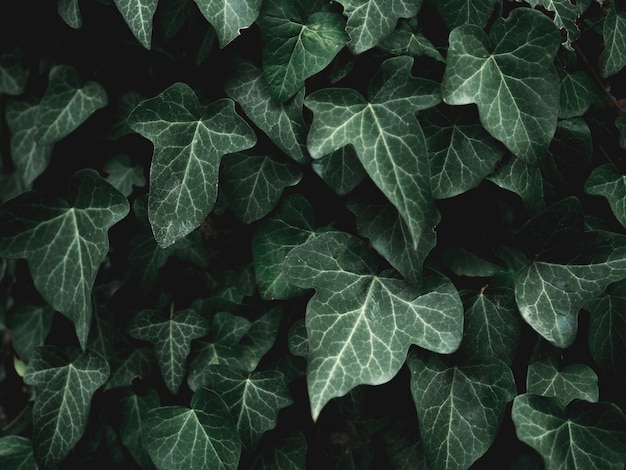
<point x="123" y="175"/>
<point x="408" y="40"/>
<point x="510" y="77"/>
<point x="69" y="11"/>
<point x="64" y="392"/>
<point x="566" y="14"/>
<point x="522" y="179"/>
<point x="229" y="17"/>
<point x="459" y="12"/>
<point x="296" y="47"/>
<point x="575" y="381"/>
<point x="138" y="16"/>
<point x="66" y="104"/>
<point x="605" y="181"/>
<point x="583" y="435"/>
<point x="203" y="436"/>
<point x="16" y="452"/>
<point x="386" y="135"/>
<point x="188" y="147"/>
<point x="259" y="338"/>
<point x="63" y="243"/>
<point x="613" y="58"/>
<point x="171" y="338"/>
<point x="341" y="170"/>
<point x="133" y="424"/>
<point x="139" y="363"/>
<point x="30" y="324"/>
<point x="360" y="324"/>
<point x="288" y="453"/>
<point x="578" y="93"/>
<point x="460" y="408"/>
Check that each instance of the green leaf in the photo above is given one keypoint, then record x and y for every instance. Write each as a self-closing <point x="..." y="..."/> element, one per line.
<point x="296" y="47"/>
<point x="12" y="73"/>
<point x="254" y="400"/>
<point x="360" y="324"/>
<point x="407" y="40"/>
<point x="16" y="453"/>
<point x="30" y="324"/>
<point x="229" y="17"/>
<point x="613" y="58"/>
<point x="466" y="263"/>
<point x="140" y="363"/>
<point x="171" y="338"/>
<point x="578" y="93"/>
<point x="133" y="424"/>
<point x="288" y="453"/>
<point x="386" y="135"/>
<point x="459" y="12"/>
<point x="575" y="381"/>
<point x="522" y="179"/>
<point x="138" y="16"/>
<point x="259" y="339"/>
<point x="297" y="339"/>
<point x="283" y="123"/>
<point x="201" y="437"/>
<point x="459" y="408"/>
<point x="461" y="154"/>
<point x="566" y="14"/>
<point x="188" y="147"/>
<point x="584" y="435"/>
<point x="123" y="175"/>
<point x="253" y="184"/>
<point x="64" y="392"/>
<point x="370" y="21"/>
<point x="604" y="181"/>
<point x="64" y="244"/>
<point x="510" y="77"/>
<point x="620" y="123"/>
<point x="69" y="11"/>
<point x="341" y="170"/>
<point x="66" y="104"/>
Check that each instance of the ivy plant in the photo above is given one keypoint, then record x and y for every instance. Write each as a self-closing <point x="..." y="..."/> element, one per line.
<point x="313" y="234"/>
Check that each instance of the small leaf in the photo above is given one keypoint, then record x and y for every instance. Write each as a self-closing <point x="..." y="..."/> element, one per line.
<point x="171" y="338"/>
<point x="138" y="16"/>
<point x="459" y="12"/>
<point x="66" y="104"/>
<point x="30" y="324"/>
<point x="407" y="40"/>
<point x="604" y="181"/>
<point x="64" y="391"/>
<point x="188" y="147"/>
<point x="566" y="14"/>
<point x="16" y="453"/>
<point x="341" y="170"/>
<point x="578" y="93"/>
<point x="259" y="339"/>
<point x="140" y="363"/>
<point x="510" y="77"/>
<point x="64" y="244"/>
<point x="201" y="437"/>
<point x="522" y="179"/>
<point x="459" y="408"/>
<point x="12" y="73"/>
<point x="288" y="453"/>
<point x="229" y="17"/>
<point x="583" y="435"/>
<point x="360" y="325"/>
<point x="69" y="11"/>
<point x="613" y="58"/>
<point x="123" y="175"/>
<point x="133" y="424"/>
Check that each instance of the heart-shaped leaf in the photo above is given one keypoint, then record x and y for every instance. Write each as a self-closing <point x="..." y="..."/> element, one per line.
<point x="138" y="16"/>
<point x="188" y="147"/>
<point x="510" y="77"/>
<point x="360" y="324"/>
<point x="64" y="244"/>
<point x="229" y="17"/>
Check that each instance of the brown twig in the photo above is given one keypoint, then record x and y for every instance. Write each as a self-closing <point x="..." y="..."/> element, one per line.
<point x="8" y="426"/>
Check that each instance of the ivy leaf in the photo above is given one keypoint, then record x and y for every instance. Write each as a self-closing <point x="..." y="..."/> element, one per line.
<point x="203" y="436"/>
<point x="229" y="17"/>
<point x="360" y="324"/>
<point x="283" y="123"/>
<point x="69" y="11"/>
<point x="510" y="77"/>
<point x="188" y="147"/>
<point x="16" y="453"/>
<point x="407" y="40"/>
<point x="64" y="244"/>
<point x="575" y="381"/>
<point x="583" y="435"/>
<point x="133" y="424"/>
<point x="259" y="339"/>
<point x="171" y="338"/>
<point x="522" y="179"/>
<point x="295" y="47"/>
<point x="30" y="324"/>
<point x="341" y="170"/>
<point x="64" y="391"/>
<point x="459" y="408"/>
<point x="604" y="181"/>
<point x="123" y="175"/>
<point x="66" y="104"/>
<point x="370" y="21"/>
<point x="288" y="453"/>
<point x="613" y="59"/>
<point x="12" y="73"/>
<point x="253" y="184"/>
<point x="566" y="14"/>
<point x="578" y="93"/>
<point x="392" y="149"/>
<point x="138" y="16"/>
<point x="139" y="363"/>
<point x="460" y="12"/>
<point x="254" y="400"/>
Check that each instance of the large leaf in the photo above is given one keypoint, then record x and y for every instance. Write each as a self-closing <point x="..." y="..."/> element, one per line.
<point x="229" y="17"/>
<point x="510" y="77"/>
<point x="254" y="400"/>
<point x="295" y="47"/>
<point x="171" y="338"/>
<point x="188" y="146"/>
<point x="386" y="135"/>
<point x="459" y="12"/>
<point x="66" y="104"/>
<point x="360" y="324"/>
<point x="370" y="21"/>
<point x="16" y="453"/>
<point x="133" y="424"/>
<point x="566" y="15"/>
<point x="613" y="59"/>
<point x="605" y="181"/>
<point x="582" y="436"/>
<point x="459" y="408"/>
<point x="201" y="437"/>
<point x="64" y="391"/>
<point x="138" y="16"/>
<point x="63" y="243"/>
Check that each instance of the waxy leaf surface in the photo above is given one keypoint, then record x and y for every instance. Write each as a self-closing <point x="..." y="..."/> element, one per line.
<point x="578" y="93"/>
<point x="64" y="392"/>
<point x="64" y="243"/>
<point x="69" y="11"/>
<point x="188" y="146"/>
<point x="386" y="135"/>
<point x="604" y="181"/>
<point x="510" y="77"/>
<point x="360" y="324"/>
<point x="16" y="452"/>
<point x="138" y="16"/>
<point x="522" y="179"/>
<point x="613" y="58"/>
<point x="566" y="13"/>
<point x="341" y="170"/>
<point x="229" y="17"/>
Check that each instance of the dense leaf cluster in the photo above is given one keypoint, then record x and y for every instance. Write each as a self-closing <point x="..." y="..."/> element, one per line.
<point x="313" y="234"/>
